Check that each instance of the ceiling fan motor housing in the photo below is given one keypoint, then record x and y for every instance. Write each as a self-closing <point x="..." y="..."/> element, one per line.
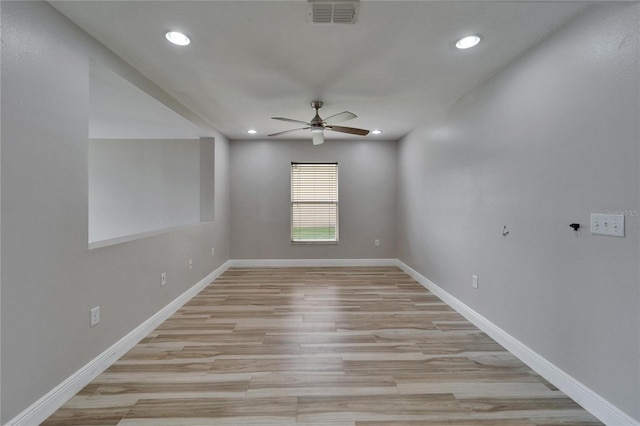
<point x="317" y="123"/>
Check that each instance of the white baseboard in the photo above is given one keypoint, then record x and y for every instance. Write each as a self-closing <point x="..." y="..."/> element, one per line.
<point x="587" y="398"/>
<point x="54" y="399"/>
<point x="284" y="263"/>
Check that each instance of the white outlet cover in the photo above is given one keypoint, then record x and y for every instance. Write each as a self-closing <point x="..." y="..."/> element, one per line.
<point x="474" y="281"/>
<point x="95" y="315"/>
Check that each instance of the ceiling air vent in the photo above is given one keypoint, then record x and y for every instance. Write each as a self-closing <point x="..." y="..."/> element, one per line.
<point x="337" y="12"/>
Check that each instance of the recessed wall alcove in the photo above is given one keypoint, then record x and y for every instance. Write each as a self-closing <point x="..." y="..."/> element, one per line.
<point x="150" y="171"/>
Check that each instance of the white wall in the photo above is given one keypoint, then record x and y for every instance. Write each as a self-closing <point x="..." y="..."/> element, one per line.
<point x="546" y="142"/>
<point x="261" y="198"/>
<point x="50" y="280"/>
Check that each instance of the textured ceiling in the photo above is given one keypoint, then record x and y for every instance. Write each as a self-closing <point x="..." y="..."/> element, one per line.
<point x="251" y="60"/>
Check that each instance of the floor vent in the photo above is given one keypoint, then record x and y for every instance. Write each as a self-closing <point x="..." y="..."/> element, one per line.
<point x="337" y="12"/>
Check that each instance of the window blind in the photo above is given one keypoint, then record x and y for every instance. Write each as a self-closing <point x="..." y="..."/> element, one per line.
<point x="314" y="202"/>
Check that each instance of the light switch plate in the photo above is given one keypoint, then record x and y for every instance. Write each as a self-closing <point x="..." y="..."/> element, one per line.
<point x="607" y="224"/>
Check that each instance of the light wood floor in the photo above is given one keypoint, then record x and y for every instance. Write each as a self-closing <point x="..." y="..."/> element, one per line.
<point x="321" y="346"/>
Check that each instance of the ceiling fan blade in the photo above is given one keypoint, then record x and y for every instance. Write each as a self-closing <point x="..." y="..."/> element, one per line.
<point x="287" y="131"/>
<point x="350" y="130"/>
<point x="318" y="138"/>
<point x="291" y="120"/>
<point x="337" y="118"/>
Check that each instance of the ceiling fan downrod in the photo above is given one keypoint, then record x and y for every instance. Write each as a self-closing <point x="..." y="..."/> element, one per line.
<point x="317" y="123"/>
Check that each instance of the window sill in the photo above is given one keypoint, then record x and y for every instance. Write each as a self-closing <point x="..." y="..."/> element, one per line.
<point x="320" y="242"/>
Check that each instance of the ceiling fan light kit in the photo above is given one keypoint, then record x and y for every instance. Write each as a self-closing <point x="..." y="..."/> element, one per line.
<point x="317" y="136"/>
<point x="319" y="125"/>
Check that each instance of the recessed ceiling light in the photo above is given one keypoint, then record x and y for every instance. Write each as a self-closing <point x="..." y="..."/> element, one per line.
<point x="178" y="38"/>
<point x="468" y="41"/>
<point x="376" y="132"/>
<point x="252" y="131"/>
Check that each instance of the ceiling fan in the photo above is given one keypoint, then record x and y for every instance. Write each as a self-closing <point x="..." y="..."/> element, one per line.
<point x="318" y="125"/>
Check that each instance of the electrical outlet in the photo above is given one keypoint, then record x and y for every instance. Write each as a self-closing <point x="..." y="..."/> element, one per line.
<point x="163" y="278"/>
<point x="190" y="264"/>
<point x="474" y="281"/>
<point x="376" y="243"/>
<point x="95" y="315"/>
<point x="213" y="251"/>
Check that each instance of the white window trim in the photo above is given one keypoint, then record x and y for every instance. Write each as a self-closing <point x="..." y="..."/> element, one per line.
<point x="336" y="203"/>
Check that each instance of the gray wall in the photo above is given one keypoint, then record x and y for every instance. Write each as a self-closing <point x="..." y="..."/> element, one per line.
<point x="261" y="198"/>
<point x="118" y="109"/>
<point x="50" y="280"/>
<point x="142" y="185"/>
<point x="546" y="142"/>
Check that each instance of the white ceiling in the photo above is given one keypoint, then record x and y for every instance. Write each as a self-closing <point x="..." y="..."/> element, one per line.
<point x="251" y="60"/>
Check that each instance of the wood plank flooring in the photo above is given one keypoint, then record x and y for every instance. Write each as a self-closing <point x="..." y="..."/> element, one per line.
<point x="318" y="346"/>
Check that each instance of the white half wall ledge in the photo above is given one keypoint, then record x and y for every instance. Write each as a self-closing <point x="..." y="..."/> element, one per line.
<point x="595" y="404"/>
<point x="126" y="238"/>
<point x="54" y="399"/>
